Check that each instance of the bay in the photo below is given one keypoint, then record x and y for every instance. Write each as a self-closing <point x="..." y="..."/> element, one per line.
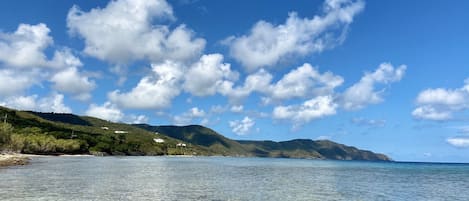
<point x="227" y="178"/>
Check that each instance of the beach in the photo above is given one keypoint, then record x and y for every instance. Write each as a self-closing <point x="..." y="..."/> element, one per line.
<point x="13" y="159"/>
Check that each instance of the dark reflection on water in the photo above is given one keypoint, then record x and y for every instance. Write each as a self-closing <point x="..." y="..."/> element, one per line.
<point x="218" y="178"/>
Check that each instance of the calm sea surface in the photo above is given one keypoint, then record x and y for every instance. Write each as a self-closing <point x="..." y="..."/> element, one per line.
<point x="220" y="178"/>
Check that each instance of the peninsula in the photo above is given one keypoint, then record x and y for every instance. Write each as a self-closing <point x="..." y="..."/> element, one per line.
<point x="32" y="132"/>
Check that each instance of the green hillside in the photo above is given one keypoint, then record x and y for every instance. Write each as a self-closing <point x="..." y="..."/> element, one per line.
<point x="199" y="135"/>
<point x="298" y="148"/>
<point x="41" y="133"/>
<point x="54" y="133"/>
<point x="305" y="148"/>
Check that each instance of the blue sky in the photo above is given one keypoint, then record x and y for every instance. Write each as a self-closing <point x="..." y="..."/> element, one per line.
<point x="387" y="76"/>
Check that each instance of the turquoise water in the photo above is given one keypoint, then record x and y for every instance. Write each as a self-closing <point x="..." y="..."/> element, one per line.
<point x="221" y="178"/>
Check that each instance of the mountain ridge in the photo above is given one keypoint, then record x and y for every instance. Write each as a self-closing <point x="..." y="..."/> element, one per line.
<point x="58" y="133"/>
<point x="295" y="148"/>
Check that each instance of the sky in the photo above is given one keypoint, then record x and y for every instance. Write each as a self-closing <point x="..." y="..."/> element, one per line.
<point x="387" y="76"/>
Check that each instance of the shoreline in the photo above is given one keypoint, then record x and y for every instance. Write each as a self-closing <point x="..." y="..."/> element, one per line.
<point x="13" y="160"/>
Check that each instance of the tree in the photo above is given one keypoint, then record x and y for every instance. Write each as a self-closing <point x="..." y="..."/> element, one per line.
<point x="6" y="130"/>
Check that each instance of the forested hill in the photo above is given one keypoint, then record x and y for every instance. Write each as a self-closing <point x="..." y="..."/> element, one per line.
<point x="54" y="133"/>
<point x="298" y="148"/>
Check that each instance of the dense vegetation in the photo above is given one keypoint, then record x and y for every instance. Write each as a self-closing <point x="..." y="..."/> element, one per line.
<point x="51" y="133"/>
<point x="299" y="148"/>
<point x="28" y="132"/>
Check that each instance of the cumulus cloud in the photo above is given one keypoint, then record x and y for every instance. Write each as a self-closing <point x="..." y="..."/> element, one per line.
<point x="301" y="82"/>
<point x="256" y="82"/>
<point x="153" y="91"/>
<point x="14" y="82"/>
<point x="208" y="75"/>
<point x="22" y="53"/>
<point x="431" y="113"/>
<point x="187" y="117"/>
<point x="237" y="108"/>
<point x="242" y="127"/>
<point x="131" y="34"/>
<point x="66" y="75"/>
<point x="461" y="142"/>
<point x="304" y="81"/>
<point x="52" y="103"/>
<point x="267" y="44"/>
<point x="107" y="111"/>
<point x="25" y="47"/>
<point x="364" y="92"/>
<point x="314" y="108"/>
<point x="22" y="57"/>
<point x="440" y="104"/>
<point x="20" y="102"/>
<point x="71" y="81"/>
<point x="137" y="119"/>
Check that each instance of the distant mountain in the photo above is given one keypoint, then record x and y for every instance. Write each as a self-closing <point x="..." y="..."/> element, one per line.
<point x="56" y="133"/>
<point x="306" y="148"/>
<point x="298" y="148"/>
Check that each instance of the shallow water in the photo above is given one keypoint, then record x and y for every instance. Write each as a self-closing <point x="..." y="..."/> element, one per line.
<point x="224" y="178"/>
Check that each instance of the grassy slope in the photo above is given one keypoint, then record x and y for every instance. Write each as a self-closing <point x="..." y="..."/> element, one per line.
<point x="200" y="140"/>
<point x="65" y="126"/>
<point x="205" y="137"/>
<point x="305" y="148"/>
<point x="299" y="148"/>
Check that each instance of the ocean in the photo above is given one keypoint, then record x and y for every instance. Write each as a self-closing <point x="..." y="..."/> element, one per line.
<point x="229" y="178"/>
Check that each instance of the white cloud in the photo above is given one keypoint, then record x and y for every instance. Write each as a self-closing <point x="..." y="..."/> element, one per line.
<point x="71" y="81"/>
<point x="14" y="82"/>
<point x="364" y="93"/>
<point x="312" y="109"/>
<point x="20" y="102"/>
<point x="52" y="103"/>
<point x="206" y="76"/>
<point x="196" y="112"/>
<point x="153" y="91"/>
<point x="267" y="44"/>
<point x="431" y="113"/>
<point x="451" y="98"/>
<point x="440" y="104"/>
<point x="242" y="127"/>
<point x="256" y="82"/>
<point x="23" y="55"/>
<point x="458" y="142"/>
<point x="67" y="77"/>
<point x="187" y="117"/>
<point x="304" y="81"/>
<point x="237" y="108"/>
<point x="137" y="119"/>
<point x="25" y="47"/>
<point x="130" y="33"/>
<point x="107" y="111"/>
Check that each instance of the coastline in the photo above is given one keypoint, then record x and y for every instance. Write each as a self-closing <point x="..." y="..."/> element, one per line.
<point x="13" y="160"/>
<point x="16" y="159"/>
